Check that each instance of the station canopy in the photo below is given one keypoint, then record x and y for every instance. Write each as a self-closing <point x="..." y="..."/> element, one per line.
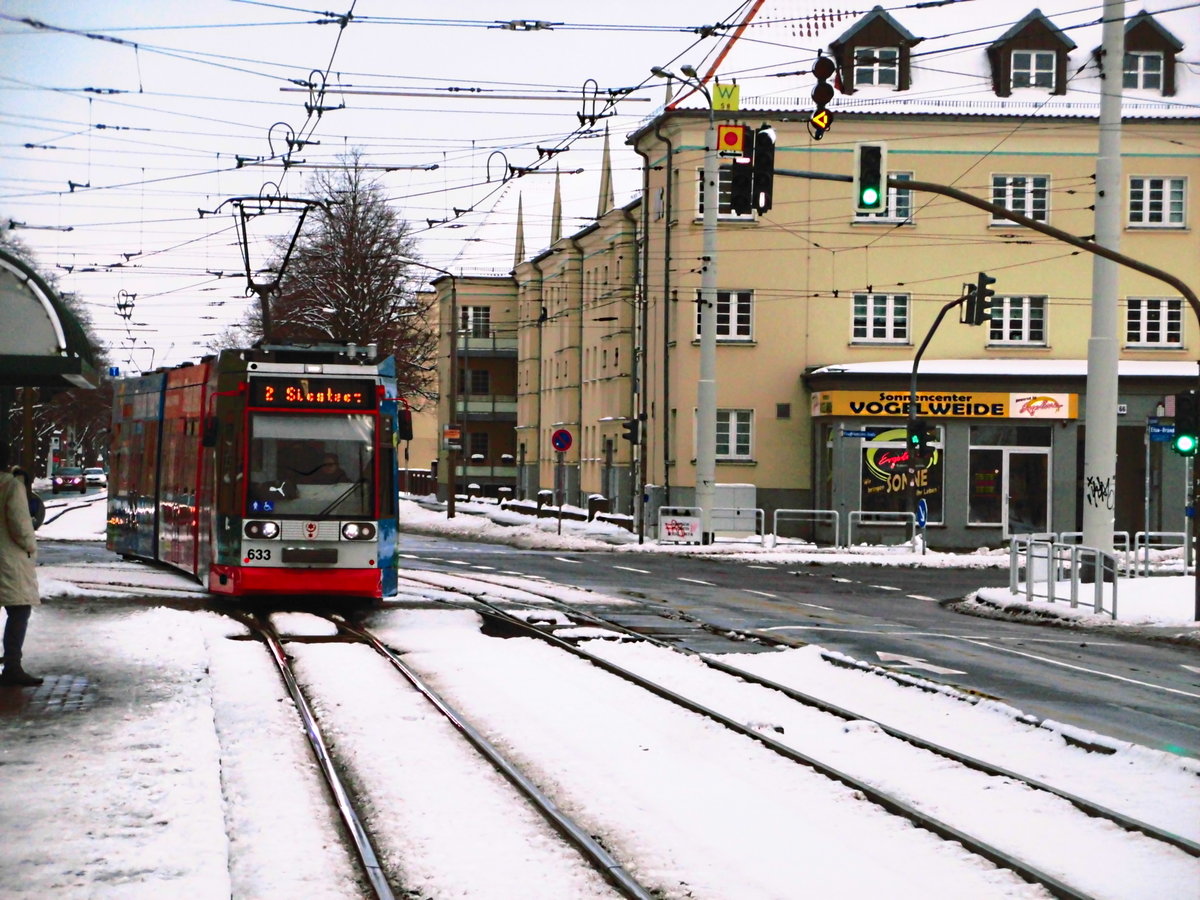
<point x="42" y="344"/>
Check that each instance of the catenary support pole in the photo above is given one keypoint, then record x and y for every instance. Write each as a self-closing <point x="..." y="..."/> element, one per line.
<point x="1100" y="416"/>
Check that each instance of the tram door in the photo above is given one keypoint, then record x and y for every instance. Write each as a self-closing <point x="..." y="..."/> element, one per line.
<point x="1026" y="488"/>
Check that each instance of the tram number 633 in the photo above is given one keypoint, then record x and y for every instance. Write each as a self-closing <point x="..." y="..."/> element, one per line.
<point x="255" y="553"/>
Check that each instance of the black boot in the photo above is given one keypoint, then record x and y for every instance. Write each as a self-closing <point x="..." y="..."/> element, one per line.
<point x="15" y="676"/>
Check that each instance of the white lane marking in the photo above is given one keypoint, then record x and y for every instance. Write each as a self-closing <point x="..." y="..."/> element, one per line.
<point x="914" y="662"/>
<point x="1054" y="662"/>
<point x="922" y="597"/>
<point x="485" y="568"/>
<point x="817" y="606"/>
<point x="564" y="559"/>
<point x="632" y="569"/>
<point x="408" y="556"/>
<point x="768" y="568"/>
<point x="761" y="593"/>
<point x="1192" y="668"/>
<point x="842" y="580"/>
<point x="457" y="562"/>
<point x="695" y="581"/>
<point x="885" y="587"/>
<point x="518" y="574"/>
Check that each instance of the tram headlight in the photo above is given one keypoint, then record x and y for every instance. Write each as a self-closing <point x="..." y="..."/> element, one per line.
<point x="261" y="531"/>
<point x="358" y="531"/>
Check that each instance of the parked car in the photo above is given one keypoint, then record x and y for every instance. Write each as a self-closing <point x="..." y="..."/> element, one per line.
<point x="95" y="475"/>
<point x="69" y="479"/>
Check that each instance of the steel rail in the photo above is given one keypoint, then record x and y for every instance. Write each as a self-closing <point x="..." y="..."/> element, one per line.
<point x="589" y="847"/>
<point x="995" y="855"/>
<point x="358" y="834"/>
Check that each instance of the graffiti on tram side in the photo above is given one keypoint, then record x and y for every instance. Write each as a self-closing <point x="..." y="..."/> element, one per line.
<point x="886" y="480"/>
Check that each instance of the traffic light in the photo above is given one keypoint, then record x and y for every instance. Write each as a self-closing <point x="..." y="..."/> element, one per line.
<point x="870" y="177"/>
<point x="741" y="186"/>
<point x="979" y="306"/>
<point x="633" y="428"/>
<point x="764" y="168"/>
<point x="918" y="441"/>
<point x="1187" y="423"/>
<point x="821" y="118"/>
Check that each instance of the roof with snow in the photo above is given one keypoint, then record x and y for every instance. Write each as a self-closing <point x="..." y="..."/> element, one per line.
<point x="956" y="58"/>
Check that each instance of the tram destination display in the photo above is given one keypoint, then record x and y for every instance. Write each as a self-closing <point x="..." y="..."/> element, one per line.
<point x="303" y="392"/>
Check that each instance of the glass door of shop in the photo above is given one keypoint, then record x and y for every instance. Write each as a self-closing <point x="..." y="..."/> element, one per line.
<point x="1026" y="491"/>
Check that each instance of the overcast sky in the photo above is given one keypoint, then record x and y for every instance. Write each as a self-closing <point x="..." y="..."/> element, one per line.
<point x="138" y="114"/>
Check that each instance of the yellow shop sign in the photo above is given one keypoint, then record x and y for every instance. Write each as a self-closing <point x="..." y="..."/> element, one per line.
<point x="948" y="404"/>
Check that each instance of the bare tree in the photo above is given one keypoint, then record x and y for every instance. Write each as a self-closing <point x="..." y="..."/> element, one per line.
<point x="350" y="279"/>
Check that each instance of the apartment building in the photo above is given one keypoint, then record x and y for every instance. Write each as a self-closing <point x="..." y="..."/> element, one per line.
<point x="820" y="310"/>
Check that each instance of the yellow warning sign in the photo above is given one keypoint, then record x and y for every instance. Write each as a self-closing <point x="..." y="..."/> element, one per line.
<point x="726" y="96"/>
<point x="821" y="118"/>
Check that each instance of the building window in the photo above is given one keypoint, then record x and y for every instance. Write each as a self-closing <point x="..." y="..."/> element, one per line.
<point x="876" y="66"/>
<point x="1157" y="202"/>
<point x="1018" y="320"/>
<point x="899" y="207"/>
<point x="783" y="410"/>
<point x="735" y="318"/>
<point x="1144" y="71"/>
<point x="1024" y="194"/>
<point x="724" y="183"/>
<point x="478" y="445"/>
<point x="476" y="321"/>
<point x="733" y="433"/>
<point x="881" y="317"/>
<point x="1154" y="323"/>
<point x="474" y="381"/>
<point x="1033" y="68"/>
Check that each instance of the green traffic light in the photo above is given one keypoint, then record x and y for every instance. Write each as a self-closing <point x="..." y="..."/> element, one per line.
<point x="870" y="197"/>
<point x="1185" y="444"/>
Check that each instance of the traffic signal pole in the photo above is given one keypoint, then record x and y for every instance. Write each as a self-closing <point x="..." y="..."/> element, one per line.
<point x="1067" y="238"/>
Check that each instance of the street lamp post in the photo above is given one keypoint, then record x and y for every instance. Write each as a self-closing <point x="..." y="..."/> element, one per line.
<point x="706" y="385"/>
<point x="451" y="454"/>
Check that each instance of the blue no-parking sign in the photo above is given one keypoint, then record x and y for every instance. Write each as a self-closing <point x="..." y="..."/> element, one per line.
<point x="561" y="440"/>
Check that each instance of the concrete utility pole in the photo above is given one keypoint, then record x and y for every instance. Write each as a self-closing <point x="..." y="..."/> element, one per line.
<point x="1100" y="417"/>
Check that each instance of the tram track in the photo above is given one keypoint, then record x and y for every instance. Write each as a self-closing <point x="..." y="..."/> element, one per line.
<point x="490" y="596"/>
<point x="348" y="806"/>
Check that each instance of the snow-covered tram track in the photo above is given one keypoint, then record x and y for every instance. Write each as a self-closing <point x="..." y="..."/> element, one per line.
<point x="354" y="803"/>
<point x="491" y="594"/>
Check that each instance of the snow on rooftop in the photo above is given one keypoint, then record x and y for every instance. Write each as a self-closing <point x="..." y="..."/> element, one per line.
<point x="951" y="72"/>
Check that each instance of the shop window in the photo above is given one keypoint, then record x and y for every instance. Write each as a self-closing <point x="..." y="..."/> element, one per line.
<point x="884" y="483"/>
<point x="985" y="492"/>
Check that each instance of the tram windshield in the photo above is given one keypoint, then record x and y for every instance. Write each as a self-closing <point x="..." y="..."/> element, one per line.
<point x="311" y="465"/>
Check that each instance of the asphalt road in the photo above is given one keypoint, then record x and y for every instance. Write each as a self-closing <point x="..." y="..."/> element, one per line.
<point x="901" y="618"/>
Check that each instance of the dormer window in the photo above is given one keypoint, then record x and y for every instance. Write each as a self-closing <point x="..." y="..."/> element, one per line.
<point x="1034" y="68"/>
<point x="876" y="52"/>
<point x="1144" y="71"/>
<point x="1031" y="54"/>
<point x="877" y="67"/>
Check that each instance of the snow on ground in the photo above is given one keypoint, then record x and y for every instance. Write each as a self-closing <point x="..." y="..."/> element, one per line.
<point x="177" y="780"/>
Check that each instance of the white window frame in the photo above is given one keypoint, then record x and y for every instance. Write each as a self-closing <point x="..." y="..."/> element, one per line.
<point x="725" y="188"/>
<point x="1154" y="322"/>
<point x="476" y="321"/>
<point x="1017" y="314"/>
<point x="1145" y="191"/>
<point x="1037" y="68"/>
<point x="871" y="64"/>
<point x="892" y="309"/>
<point x="899" y="208"/>
<point x="1137" y="75"/>
<point x="735" y="315"/>
<point x="1021" y="194"/>
<point x="737" y="425"/>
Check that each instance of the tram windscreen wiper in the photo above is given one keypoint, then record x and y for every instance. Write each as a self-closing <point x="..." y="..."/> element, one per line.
<point x="337" y="501"/>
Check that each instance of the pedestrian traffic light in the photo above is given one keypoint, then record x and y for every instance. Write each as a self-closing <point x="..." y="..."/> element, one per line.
<point x="979" y="307"/>
<point x="764" y="168"/>
<point x="633" y="428"/>
<point x="918" y="441"/>
<point x="870" y="177"/>
<point x="1187" y="423"/>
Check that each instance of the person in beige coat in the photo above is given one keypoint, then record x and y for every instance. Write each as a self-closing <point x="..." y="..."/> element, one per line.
<point x="18" y="575"/>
